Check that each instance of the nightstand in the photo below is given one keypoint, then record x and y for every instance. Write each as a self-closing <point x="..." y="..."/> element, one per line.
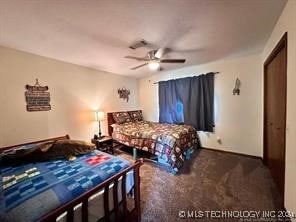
<point x="105" y="144"/>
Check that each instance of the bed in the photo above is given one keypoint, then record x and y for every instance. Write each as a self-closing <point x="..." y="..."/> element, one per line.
<point x="93" y="187"/>
<point x="171" y="143"/>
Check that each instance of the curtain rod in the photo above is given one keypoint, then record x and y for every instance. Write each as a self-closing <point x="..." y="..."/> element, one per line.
<point x="188" y="76"/>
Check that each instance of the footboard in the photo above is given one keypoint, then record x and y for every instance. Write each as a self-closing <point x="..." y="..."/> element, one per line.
<point x="127" y="215"/>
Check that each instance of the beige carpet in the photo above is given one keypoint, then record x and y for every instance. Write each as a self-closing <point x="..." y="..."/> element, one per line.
<point x="210" y="180"/>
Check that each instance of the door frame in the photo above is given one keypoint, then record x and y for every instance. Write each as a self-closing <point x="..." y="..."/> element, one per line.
<point x="282" y="44"/>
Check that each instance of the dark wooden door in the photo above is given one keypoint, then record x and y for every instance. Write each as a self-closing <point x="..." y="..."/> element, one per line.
<point x="275" y="88"/>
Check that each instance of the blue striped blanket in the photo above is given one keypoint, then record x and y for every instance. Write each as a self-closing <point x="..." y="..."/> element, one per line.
<point x="31" y="190"/>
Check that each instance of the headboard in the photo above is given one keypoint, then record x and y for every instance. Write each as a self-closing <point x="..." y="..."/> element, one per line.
<point x="39" y="141"/>
<point x="111" y="121"/>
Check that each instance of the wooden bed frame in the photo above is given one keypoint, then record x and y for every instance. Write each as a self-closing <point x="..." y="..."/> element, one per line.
<point x="110" y="120"/>
<point x="132" y="215"/>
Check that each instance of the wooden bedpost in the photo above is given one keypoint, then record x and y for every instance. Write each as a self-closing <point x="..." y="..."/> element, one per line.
<point x="135" y="156"/>
<point x="137" y="190"/>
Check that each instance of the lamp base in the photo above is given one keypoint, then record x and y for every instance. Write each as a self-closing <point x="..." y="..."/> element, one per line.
<point x="96" y="137"/>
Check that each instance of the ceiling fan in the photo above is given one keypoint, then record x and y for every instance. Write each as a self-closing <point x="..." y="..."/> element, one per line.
<point x="154" y="58"/>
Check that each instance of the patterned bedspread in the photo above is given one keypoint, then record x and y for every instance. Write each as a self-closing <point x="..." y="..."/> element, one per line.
<point x="32" y="190"/>
<point x="168" y="141"/>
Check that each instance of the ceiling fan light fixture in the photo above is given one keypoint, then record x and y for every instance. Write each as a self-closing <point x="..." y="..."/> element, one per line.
<point x="153" y="65"/>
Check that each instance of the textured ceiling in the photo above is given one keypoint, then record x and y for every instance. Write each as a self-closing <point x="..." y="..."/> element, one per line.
<point x="97" y="33"/>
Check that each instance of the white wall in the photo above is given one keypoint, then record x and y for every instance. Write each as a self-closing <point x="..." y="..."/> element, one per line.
<point x="75" y="92"/>
<point x="287" y="23"/>
<point x="238" y="118"/>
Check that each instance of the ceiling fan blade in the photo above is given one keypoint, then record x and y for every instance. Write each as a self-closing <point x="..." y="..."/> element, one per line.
<point x="172" y="60"/>
<point x="139" y="66"/>
<point x="160" y="52"/>
<point x="136" y="58"/>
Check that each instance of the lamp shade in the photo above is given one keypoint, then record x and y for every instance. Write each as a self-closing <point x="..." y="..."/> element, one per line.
<point x="100" y="115"/>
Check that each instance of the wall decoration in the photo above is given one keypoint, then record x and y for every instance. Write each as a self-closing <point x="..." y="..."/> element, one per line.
<point x="236" y="90"/>
<point x="124" y="94"/>
<point x="37" y="98"/>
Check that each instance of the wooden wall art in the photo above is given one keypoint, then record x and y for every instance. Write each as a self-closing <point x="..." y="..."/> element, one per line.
<point x="124" y="94"/>
<point x="37" y="98"/>
<point x="236" y="90"/>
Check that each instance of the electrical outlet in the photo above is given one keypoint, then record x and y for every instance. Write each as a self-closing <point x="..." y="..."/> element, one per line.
<point x="219" y="140"/>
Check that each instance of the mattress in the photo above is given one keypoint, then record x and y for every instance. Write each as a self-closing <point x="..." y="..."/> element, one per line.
<point x="31" y="190"/>
<point x="169" y="142"/>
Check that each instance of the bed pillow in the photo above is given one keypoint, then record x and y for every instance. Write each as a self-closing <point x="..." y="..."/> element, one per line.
<point x="46" y="151"/>
<point x="67" y="148"/>
<point x="25" y="153"/>
<point x="121" y="117"/>
<point x="136" y="115"/>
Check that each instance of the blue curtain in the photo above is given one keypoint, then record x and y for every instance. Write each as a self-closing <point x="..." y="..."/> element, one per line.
<point x="188" y="100"/>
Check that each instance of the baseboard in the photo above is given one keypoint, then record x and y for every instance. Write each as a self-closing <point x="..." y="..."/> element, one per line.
<point x="230" y="152"/>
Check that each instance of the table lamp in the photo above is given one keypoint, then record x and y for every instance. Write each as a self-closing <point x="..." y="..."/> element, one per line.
<point x="99" y="117"/>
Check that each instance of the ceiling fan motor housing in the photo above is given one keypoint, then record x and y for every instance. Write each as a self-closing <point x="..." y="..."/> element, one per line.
<point x="151" y="55"/>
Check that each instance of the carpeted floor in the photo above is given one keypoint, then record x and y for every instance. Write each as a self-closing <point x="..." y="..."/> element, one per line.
<point x="210" y="180"/>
